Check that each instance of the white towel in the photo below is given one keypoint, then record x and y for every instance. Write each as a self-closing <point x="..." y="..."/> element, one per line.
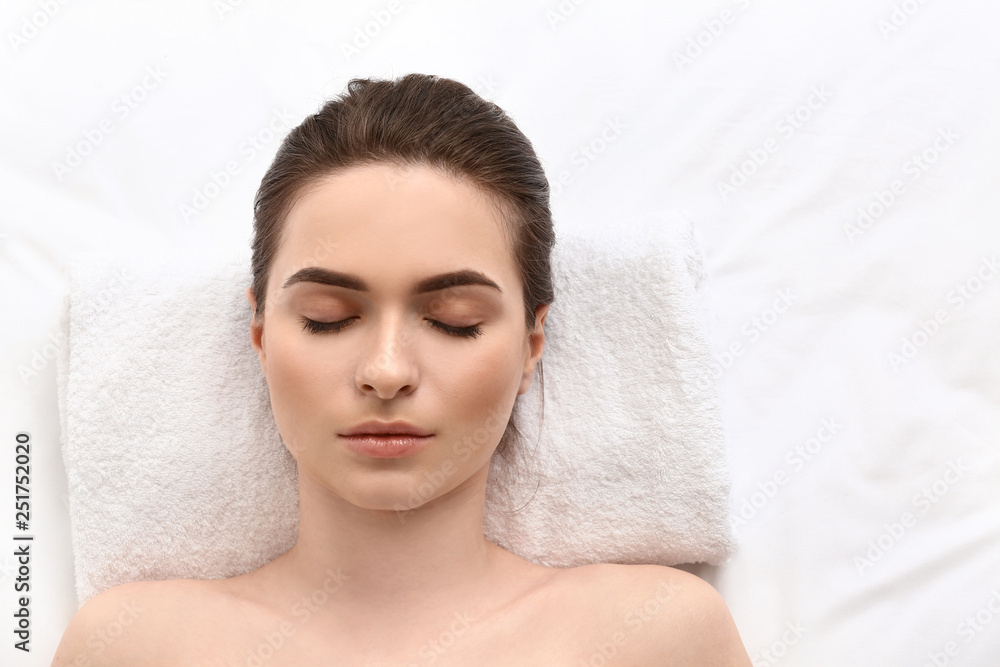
<point x="176" y="468"/>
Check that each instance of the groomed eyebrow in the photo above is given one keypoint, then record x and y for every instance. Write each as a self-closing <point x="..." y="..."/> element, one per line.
<point x="315" y="274"/>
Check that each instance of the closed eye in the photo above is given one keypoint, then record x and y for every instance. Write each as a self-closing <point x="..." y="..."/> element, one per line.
<point x="465" y="332"/>
<point x="312" y="326"/>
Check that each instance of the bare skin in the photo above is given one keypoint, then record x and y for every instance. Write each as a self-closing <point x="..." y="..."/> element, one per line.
<point x="624" y="615"/>
<point x="391" y="566"/>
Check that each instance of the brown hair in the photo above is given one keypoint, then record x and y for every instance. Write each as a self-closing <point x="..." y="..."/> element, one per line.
<point x="417" y="119"/>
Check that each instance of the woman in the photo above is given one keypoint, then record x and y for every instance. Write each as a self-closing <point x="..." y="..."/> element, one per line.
<point x="401" y="282"/>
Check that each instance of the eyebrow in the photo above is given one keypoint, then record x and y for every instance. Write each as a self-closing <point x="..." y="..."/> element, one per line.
<point x="315" y="274"/>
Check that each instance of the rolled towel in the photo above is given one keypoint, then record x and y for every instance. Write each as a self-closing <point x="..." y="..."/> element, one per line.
<point x="176" y="468"/>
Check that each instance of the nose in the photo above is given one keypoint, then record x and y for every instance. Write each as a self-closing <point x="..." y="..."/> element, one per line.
<point x="387" y="367"/>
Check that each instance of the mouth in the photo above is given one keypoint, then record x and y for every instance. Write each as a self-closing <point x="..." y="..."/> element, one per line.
<point x="379" y="428"/>
<point x="386" y="445"/>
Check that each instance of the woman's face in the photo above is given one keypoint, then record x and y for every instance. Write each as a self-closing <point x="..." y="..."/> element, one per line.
<point x="391" y="229"/>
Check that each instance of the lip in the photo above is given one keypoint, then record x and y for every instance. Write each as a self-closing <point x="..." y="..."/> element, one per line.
<point x="386" y="446"/>
<point x="386" y="428"/>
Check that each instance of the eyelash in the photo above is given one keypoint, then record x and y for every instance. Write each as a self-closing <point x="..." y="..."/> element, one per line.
<point x="312" y="326"/>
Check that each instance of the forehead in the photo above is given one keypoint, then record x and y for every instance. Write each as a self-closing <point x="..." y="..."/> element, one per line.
<point x="394" y="225"/>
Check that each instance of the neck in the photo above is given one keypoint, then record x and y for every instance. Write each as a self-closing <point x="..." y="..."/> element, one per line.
<point x="387" y="562"/>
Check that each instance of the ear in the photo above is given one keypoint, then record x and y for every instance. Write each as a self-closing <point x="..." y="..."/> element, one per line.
<point x="257" y="332"/>
<point x="536" y="345"/>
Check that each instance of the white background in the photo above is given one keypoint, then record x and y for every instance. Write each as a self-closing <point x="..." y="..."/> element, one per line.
<point x="824" y="106"/>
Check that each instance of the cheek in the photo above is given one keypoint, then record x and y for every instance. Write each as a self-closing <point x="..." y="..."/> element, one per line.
<point x="296" y="383"/>
<point x="482" y="385"/>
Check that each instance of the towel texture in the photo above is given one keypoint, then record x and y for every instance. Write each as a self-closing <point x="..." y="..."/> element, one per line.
<point x="176" y="468"/>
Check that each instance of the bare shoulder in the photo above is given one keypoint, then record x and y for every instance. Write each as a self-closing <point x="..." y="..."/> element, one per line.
<point x="660" y="615"/>
<point x="127" y="625"/>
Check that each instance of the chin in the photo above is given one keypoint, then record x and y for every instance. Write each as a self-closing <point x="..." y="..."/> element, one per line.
<point x="395" y="492"/>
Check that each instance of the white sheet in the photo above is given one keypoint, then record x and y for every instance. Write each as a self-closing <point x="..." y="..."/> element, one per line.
<point x="631" y="108"/>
